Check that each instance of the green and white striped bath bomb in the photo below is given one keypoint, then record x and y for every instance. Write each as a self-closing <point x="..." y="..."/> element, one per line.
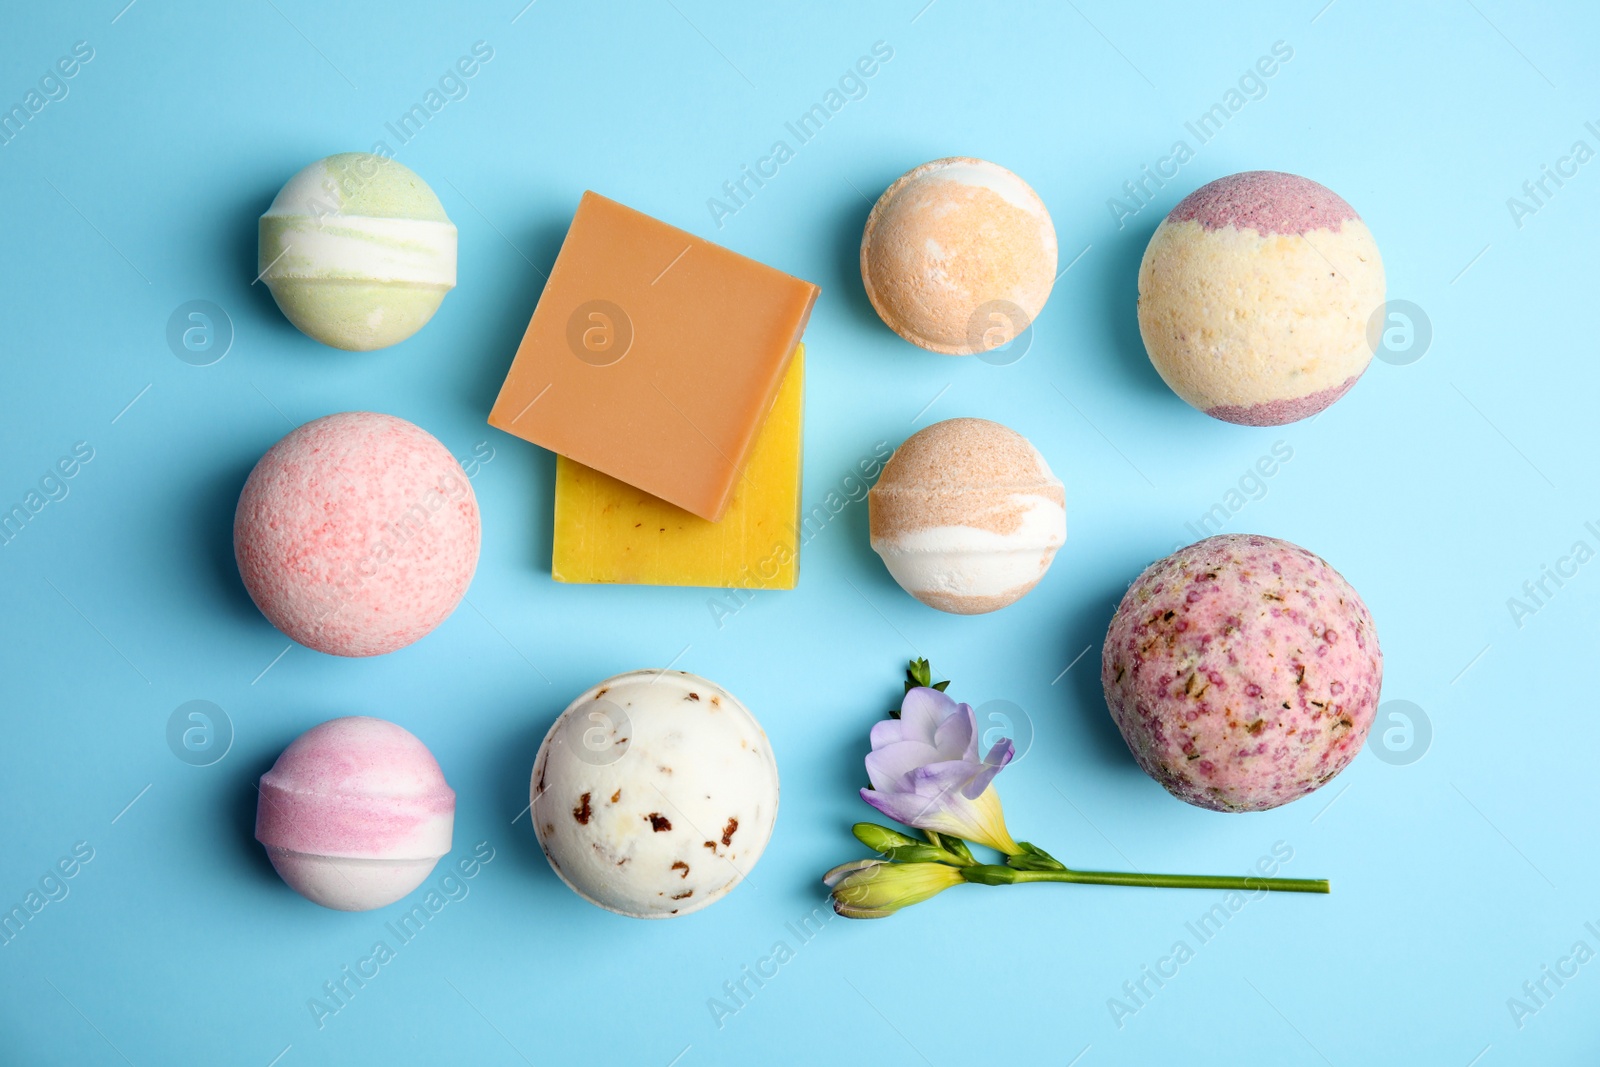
<point x="358" y="251"/>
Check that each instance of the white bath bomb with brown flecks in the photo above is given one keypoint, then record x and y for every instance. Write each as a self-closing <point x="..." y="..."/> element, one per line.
<point x="959" y="256"/>
<point x="967" y="516"/>
<point x="654" y="794"/>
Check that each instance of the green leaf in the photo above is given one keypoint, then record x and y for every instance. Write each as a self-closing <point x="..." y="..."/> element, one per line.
<point x="920" y="675"/>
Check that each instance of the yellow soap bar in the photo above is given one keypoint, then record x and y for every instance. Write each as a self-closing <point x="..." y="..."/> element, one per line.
<point x="608" y="531"/>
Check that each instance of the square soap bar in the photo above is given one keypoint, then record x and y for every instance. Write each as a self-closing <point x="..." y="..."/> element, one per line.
<point x="607" y="531"/>
<point x="653" y="356"/>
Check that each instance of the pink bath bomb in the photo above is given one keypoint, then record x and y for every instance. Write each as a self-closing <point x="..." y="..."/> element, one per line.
<point x="1254" y="297"/>
<point x="357" y="534"/>
<point x="1243" y="672"/>
<point x="355" y="813"/>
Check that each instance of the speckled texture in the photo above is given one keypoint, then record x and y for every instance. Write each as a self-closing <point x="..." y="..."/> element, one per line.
<point x="1267" y="201"/>
<point x="357" y="534"/>
<point x="654" y="794"/>
<point x="958" y="256"/>
<point x="355" y="813"/>
<point x="1243" y="672"/>
<point x="1251" y="313"/>
<point x="967" y="516"/>
<point x="358" y="251"/>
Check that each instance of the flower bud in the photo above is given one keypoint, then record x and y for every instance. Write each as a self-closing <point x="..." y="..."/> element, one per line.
<point x="872" y="889"/>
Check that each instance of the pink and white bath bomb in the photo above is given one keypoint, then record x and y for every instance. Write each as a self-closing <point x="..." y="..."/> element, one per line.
<point x="1254" y="298"/>
<point x="1243" y="672"/>
<point x="357" y="534"/>
<point x="355" y="813"/>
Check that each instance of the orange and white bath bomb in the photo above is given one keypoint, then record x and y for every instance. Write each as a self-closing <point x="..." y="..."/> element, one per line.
<point x="1254" y="297"/>
<point x="357" y="534"/>
<point x="959" y="256"/>
<point x="967" y="516"/>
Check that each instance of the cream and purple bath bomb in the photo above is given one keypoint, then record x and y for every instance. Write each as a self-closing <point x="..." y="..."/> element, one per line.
<point x="1243" y="672"/>
<point x="357" y="251"/>
<point x="967" y="516"/>
<point x="355" y="813"/>
<point x="357" y="534"/>
<point x="1254" y="298"/>
<point x="959" y="256"/>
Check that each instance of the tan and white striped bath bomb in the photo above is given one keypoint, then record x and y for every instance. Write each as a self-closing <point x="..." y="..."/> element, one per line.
<point x="967" y="516"/>
<point x="959" y="256"/>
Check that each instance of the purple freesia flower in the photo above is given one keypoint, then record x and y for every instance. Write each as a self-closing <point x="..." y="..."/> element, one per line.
<point x="926" y="771"/>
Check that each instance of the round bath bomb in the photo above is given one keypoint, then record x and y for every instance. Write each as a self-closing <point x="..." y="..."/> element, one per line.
<point x="959" y="256"/>
<point x="654" y="794"/>
<point x="355" y="813"/>
<point x="1243" y="672"/>
<point x="356" y="534"/>
<point x="357" y="251"/>
<point x="1254" y="297"/>
<point x="967" y="516"/>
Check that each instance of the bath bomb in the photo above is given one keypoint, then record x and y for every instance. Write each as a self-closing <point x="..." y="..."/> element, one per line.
<point x="959" y="256"/>
<point x="967" y="516"/>
<point x="356" y="534"/>
<point x="355" y="813"/>
<point x="1243" y="672"/>
<point x="357" y="251"/>
<point x="654" y="794"/>
<point x="1254" y="298"/>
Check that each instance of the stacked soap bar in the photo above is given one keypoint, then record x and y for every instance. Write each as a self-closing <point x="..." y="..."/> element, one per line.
<point x="661" y="370"/>
<point x="608" y="531"/>
<point x="653" y="356"/>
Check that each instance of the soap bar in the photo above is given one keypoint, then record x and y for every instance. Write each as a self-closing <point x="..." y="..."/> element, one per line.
<point x="653" y="356"/>
<point x="608" y="531"/>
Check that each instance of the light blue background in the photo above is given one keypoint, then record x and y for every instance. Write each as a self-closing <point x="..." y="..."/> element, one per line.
<point x="1437" y="488"/>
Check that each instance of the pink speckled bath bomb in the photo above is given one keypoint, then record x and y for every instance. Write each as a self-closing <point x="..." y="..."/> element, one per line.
<point x="1243" y="672"/>
<point x="355" y="813"/>
<point x="357" y="534"/>
<point x="1254" y="297"/>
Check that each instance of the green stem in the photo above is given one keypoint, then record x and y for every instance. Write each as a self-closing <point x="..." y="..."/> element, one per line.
<point x="992" y="874"/>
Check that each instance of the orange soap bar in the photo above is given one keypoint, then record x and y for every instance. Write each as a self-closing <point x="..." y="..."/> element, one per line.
<point x="609" y="532"/>
<point x="653" y="356"/>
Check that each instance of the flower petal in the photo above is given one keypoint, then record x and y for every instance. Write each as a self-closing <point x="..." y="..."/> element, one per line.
<point x="922" y="711"/>
<point x="889" y="767"/>
<point x="938" y="781"/>
<point x="986" y="812"/>
<point x="888" y="732"/>
<point x="979" y="820"/>
<point x="907" y="808"/>
<point x="956" y="736"/>
<point x="992" y="764"/>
